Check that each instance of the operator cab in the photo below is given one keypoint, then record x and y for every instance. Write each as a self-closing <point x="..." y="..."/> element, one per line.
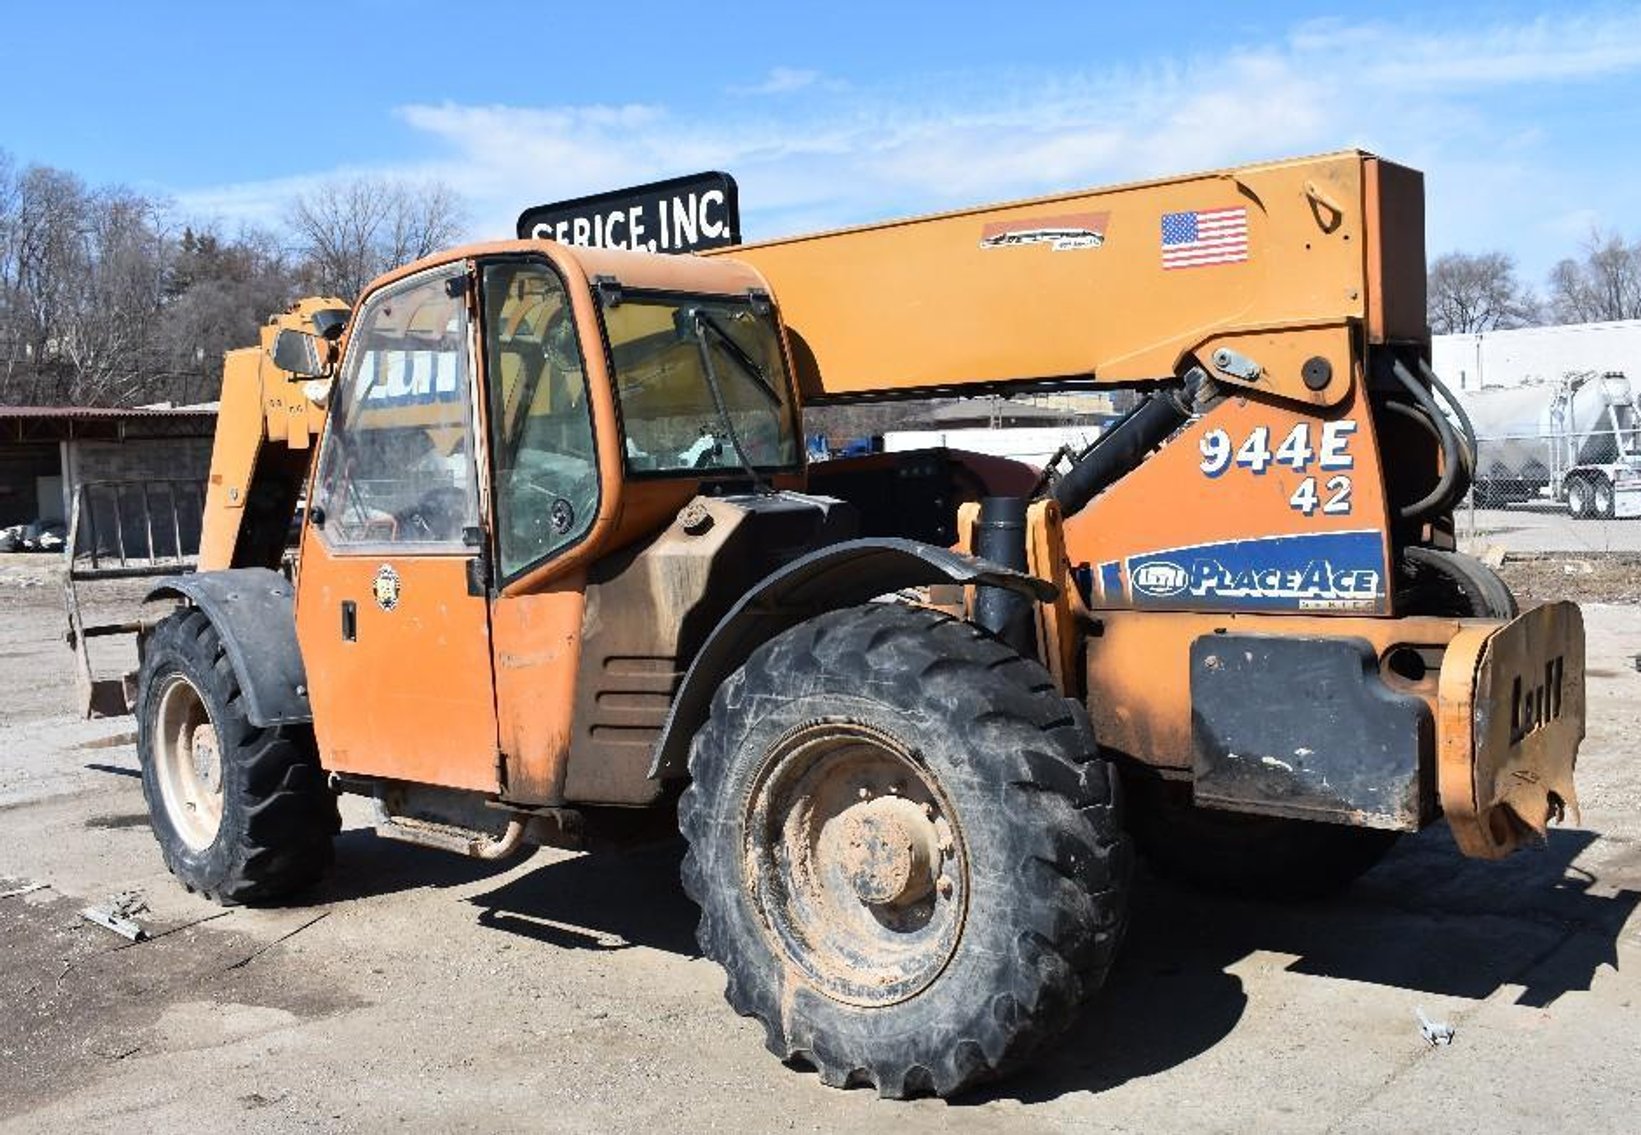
<point x="691" y="349"/>
<point x="502" y="419"/>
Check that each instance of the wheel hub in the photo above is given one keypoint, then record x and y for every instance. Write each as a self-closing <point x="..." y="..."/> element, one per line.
<point x="890" y="848"/>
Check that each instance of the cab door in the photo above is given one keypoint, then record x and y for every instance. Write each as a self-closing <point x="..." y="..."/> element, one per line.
<point x="395" y="638"/>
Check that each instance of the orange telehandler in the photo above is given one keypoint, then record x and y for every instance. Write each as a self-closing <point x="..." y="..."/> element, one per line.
<point x="563" y="565"/>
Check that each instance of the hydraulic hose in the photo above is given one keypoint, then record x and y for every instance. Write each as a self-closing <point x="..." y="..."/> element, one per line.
<point x="1469" y="428"/>
<point x="1415" y="415"/>
<point x="1455" y="462"/>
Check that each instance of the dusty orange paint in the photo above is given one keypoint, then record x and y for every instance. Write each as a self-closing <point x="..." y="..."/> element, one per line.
<point x="537" y="652"/>
<point x="412" y="698"/>
<point x="1326" y="235"/>
<point x="1139" y="668"/>
<point x="260" y="405"/>
<point x="451" y="689"/>
<point x="1512" y="717"/>
<point x="924" y="304"/>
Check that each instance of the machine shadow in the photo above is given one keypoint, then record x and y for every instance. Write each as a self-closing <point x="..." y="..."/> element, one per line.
<point x="1426" y="920"/>
<point x="368" y="865"/>
<point x="611" y="900"/>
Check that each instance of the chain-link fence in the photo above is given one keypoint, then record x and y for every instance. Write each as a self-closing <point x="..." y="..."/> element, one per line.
<point x="1569" y="449"/>
<point x="1555" y="491"/>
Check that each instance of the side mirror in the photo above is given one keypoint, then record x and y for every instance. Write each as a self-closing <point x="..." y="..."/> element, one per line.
<point x="300" y="354"/>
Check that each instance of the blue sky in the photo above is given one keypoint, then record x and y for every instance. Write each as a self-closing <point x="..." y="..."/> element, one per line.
<point x="1526" y="118"/>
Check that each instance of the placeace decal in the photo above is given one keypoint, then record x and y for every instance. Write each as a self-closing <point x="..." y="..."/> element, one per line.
<point x="385" y="588"/>
<point x="1319" y="571"/>
<point x="1061" y="234"/>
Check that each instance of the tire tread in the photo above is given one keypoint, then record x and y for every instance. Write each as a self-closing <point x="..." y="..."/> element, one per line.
<point x="279" y="824"/>
<point x="1072" y="858"/>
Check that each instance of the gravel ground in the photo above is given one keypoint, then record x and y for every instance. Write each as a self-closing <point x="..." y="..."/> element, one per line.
<point x="564" y="992"/>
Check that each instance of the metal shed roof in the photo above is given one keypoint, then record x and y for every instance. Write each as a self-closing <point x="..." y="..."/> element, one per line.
<point x="47" y="424"/>
<point x="106" y="413"/>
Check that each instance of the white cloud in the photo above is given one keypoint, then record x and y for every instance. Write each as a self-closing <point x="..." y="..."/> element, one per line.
<point x="780" y="81"/>
<point x="1447" y="100"/>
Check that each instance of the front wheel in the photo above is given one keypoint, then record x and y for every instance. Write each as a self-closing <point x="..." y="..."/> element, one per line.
<point x="906" y="851"/>
<point x="242" y="814"/>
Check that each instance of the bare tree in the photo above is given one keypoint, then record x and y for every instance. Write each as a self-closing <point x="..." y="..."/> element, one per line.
<point x="106" y="330"/>
<point x="13" y="347"/>
<point x="350" y="232"/>
<point x="218" y="292"/>
<point x="103" y="303"/>
<point x="1605" y="284"/>
<point x="1476" y="293"/>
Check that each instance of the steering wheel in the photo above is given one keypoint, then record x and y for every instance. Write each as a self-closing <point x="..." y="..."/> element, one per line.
<point x="437" y="516"/>
<point x="558" y="345"/>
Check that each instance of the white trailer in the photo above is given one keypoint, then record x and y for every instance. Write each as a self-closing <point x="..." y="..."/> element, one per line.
<point x="1480" y="360"/>
<point x="1577" y="440"/>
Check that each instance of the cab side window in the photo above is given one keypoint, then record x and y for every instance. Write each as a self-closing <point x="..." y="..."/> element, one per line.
<point x="546" y="486"/>
<point x="398" y="464"/>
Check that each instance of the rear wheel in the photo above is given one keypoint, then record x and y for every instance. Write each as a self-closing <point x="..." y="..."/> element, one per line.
<point x="1580" y="500"/>
<point x="906" y="851"/>
<point x="1433" y="581"/>
<point x="241" y="813"/>
<point x="1601" y="499"/>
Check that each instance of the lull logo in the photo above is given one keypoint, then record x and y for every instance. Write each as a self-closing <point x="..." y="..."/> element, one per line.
<point x="1161" y="579"/>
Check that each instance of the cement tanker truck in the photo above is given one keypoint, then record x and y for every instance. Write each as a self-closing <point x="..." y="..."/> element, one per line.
<point x="1576" y="440"/>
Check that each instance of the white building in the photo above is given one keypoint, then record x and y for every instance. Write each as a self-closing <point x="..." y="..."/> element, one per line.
<point x="1542" y="354"/>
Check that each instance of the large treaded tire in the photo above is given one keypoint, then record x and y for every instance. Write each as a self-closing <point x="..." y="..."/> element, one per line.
<point x="278" y="815"/>
<point x="1047" y="861"/>
<point x="1603" y="502"/>
<point x="1580" y="499"/>
<point x="1434" y="581"/>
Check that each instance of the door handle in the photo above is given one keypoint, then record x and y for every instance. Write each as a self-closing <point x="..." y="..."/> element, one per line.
<point x="350" y="621"/>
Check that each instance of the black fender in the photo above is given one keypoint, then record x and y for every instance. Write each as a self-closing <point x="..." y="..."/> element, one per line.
<point x="839" y="575"/>
<point x="254" y="610"/>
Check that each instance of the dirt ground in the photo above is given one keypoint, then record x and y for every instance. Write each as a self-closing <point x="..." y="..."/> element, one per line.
<point x="419" y="991"/>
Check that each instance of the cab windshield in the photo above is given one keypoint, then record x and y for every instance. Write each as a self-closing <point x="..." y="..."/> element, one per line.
<point x="701" y="383"/>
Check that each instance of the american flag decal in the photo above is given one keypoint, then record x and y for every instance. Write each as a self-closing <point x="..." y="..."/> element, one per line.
<point x="1211" y="236"/>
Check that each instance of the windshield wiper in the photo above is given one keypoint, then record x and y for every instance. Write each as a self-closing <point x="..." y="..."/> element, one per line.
<point x="737" y="353"/>
<point x="703" y="322"/>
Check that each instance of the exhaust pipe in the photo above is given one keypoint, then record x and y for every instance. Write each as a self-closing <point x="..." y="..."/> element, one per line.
<point x="1000" y="536"/>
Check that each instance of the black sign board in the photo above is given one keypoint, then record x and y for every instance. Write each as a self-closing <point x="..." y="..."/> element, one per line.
<point x="681" y="214"/>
